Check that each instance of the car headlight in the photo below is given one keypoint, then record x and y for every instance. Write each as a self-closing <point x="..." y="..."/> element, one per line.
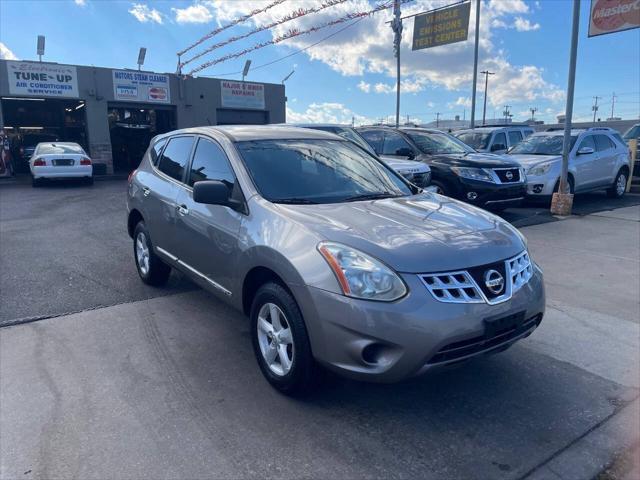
<point x="473" y="174"/>
<point x="540" y="169"/>
<point x="361" y="276"/>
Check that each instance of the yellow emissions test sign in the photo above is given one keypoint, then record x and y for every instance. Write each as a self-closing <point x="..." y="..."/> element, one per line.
<point x="449" y="25"/>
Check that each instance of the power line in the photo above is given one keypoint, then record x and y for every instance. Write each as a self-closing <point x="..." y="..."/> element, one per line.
<point x="294" y="15"/>
<point x="294" y="33"/>
<point x="231" y="24"/>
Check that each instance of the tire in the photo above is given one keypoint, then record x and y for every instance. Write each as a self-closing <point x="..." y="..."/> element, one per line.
<point x="619" y="187"/>
<point x="151" y="269"/>
<point x="571" y="186"/>
<point x="442" y="188"/>
<point x="297" y="374"/>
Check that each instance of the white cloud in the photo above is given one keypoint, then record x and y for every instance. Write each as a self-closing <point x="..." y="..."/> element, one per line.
<point x="326" y="112"/>
<point x="196" y="13"/>
<point x="460" y="102"/>
<point x="406" y="86"/>
<point x="81" y="3"/>
<point x="144" y="14"/>
<point x="524" y="25"/>
<point x="364" y="86"/>
<point x="5" y="53"/>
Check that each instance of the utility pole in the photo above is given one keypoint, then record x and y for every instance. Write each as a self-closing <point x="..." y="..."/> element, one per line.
<point x="396" y="26"/>
<point x="613" y="103"/>
<point x="533" y="111"/>
<point x="475" y="66"/>
<point x="506" y="113"/>
<point x="437" y="119"/>
<point x="353" y="121"/>
<point x="595" y="108"/>
<point x="486" y="74"/>
<point x="407" y="119"/>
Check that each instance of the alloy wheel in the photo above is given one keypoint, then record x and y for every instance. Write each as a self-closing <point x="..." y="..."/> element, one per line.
<point x="142" y="253"/>
<point x="275" y="339"/>
<point x="621" y="184"/>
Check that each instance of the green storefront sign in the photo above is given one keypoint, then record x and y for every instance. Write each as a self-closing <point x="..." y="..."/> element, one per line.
<point x="449" y="25"/>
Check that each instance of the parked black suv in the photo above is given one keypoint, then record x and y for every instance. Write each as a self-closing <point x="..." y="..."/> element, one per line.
<point x="457" y="170"/>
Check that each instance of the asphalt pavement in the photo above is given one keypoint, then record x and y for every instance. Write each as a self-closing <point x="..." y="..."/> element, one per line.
<point x="162" y="383"/>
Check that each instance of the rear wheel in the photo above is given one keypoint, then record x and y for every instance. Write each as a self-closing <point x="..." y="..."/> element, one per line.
<point x="619" y="187"/>
<point x="151" y="269"/>
<point x="280" y="341"/>
<point x="441" y="187"/>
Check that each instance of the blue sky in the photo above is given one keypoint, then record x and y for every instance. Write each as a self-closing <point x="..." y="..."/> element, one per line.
<point x="350" y="74"/>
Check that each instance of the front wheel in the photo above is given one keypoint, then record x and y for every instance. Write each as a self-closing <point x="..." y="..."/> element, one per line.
<point x="619" y="187"/>
<point x="441" y="187"/>
<point x="280" y="341"/>
<point x="151" y="269"/>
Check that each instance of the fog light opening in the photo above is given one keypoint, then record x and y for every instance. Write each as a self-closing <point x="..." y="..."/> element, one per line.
<point x="372" y="353"/>
<point x="537" y="188"/>
<point x="472" y="195"/>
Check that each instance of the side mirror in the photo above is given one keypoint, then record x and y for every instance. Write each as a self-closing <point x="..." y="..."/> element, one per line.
<point x="213" y="192"/>
<point x="586" y="151"/>
<point x="498" y="146"/>
<point x="405" y="152"/>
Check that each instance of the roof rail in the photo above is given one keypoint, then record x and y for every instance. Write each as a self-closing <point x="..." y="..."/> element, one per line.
<point x="604" y="129"/>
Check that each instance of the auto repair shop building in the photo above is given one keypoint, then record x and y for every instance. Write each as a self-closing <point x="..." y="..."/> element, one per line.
<point x="114" y="113"/>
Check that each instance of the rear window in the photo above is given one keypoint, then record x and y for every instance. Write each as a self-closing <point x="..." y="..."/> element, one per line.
<point x="175" y="157"/>
<point x="57" y="149"/>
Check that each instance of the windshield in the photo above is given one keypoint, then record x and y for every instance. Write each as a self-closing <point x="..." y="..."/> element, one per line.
<point x="633" y="132"/>
<point x="477" y="141"/>
<point x="542" y="145"/>
<point x="317" y="171"/>
<point x="57" y="148"/>
<point x="436" y="143"/>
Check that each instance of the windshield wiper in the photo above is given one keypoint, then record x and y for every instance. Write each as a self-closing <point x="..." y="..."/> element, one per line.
<point x="294" y="201"/>
<point x="371" y="196"/>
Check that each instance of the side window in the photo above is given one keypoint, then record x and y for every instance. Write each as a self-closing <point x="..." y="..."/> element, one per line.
<point x="587" y="142"/>
<point x="393" y="142"/>
<point x="175" y="157"/>
<point x="515" y="137"/>
<point x="210" y="163"/>
<point x="499" y="139"/>
<point x="156" y="149"/>
<point x="527" y="133"/>
<point x="619" y="138"/>
<point x="603" y="143"/>
<point x="373" y="138"/>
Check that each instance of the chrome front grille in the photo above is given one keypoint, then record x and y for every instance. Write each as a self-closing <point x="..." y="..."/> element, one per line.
<point x="461" y="286"/>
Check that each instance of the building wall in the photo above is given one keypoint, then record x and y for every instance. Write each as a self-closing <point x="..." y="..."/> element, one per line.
<point x="196" y="101"/>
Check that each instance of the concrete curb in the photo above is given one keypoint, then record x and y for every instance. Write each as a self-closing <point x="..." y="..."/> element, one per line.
<point x="595" y="450"/>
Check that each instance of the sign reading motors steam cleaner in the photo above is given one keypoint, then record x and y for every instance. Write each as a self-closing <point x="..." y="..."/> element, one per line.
<point x="37" y="79"/>
<point x="144" y="87"/>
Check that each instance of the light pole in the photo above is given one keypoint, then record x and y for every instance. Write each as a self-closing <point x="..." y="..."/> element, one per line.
<point x="396" y="26"/>
<point x="486" y="74"/>
<point x="288" y="76"/>
<point x="475" y="66"/>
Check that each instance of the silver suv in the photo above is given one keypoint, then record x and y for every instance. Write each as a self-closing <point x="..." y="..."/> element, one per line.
<point x="598" y="159"/>
<point x="337" y="260"/>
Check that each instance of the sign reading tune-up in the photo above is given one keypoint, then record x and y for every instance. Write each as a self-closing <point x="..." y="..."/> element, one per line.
<point x="42" y="79"/>
<point x="449" y="25"/>
<point x="145" y="87"/>
<point x="609" y="16"/>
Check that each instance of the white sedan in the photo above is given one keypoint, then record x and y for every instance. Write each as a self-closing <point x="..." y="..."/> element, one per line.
<point x="60" y="160"/>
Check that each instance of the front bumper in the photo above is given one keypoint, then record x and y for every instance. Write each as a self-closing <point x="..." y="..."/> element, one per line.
<point x="487" y="194"/>
<point x="75" y="171"/>
<point x="388" y="342"/>
<point x="541" y="186"/>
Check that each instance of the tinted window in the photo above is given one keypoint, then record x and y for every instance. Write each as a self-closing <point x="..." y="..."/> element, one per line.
<point x="433" y="143"/>
<point x="373" y="138"/>
<point x="515" y="138"/>
<point x="618" y="138"/>
<point x="393" y="142"/>
<point x="603" y="143"/>
<point x="317" y="171"/>
<point x="542" y="144"/>
<point x="633" y="132"/>
<point x="155" y="151"/>
<point x="500" y="139"/>
<point x="479" y="141"/>
<point x="175" y="157"/>
<point x="587" y="142"/>
<point x="210" y="163"/>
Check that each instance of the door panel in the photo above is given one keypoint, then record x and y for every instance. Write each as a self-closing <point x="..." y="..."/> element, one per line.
<point x="585" y="166"/>
<point x="606" y="159"/>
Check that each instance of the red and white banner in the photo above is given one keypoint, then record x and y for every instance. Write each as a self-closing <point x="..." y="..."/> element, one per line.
<point x="609" y="16"/>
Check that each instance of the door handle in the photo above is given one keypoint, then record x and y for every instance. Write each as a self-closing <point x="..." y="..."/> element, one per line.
<point x="182" y="210"/>
<point x="146" y="191"/>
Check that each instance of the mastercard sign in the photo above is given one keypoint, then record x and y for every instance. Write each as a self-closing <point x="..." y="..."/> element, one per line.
<point x="609" y="16"/>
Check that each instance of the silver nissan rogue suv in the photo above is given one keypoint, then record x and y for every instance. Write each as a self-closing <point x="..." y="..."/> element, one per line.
<point x="337" y="260"/>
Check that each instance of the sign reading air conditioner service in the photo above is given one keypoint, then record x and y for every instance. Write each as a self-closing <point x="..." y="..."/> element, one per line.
<point x="143" y="87"/>
<point x="442" y="27"/>
<point x="242" y="95"/>
<point x="42" y="79"/>
<point x="609" y="16"/>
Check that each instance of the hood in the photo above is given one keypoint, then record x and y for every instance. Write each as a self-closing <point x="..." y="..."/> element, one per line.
<point x="405" y="166"/>
<point x="416" y="234"/>
<point x="477" y="160"/>
<point x="527" y="161"/>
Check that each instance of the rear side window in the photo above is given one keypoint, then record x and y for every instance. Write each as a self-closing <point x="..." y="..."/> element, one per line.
<point x="500" y="139"/>
<point x="603" y="143"/>
<point x="373" y="138"/>
<point x="618" y="138"/>
<point x="515" y="137"/>
<point x="175" y="157"/>
<point x="210" y="163"/>
<point x="155" y="151"/>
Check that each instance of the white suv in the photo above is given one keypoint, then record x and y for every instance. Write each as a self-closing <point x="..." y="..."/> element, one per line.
<point x="494" y="139"/>
<point x="598" y="159"/>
